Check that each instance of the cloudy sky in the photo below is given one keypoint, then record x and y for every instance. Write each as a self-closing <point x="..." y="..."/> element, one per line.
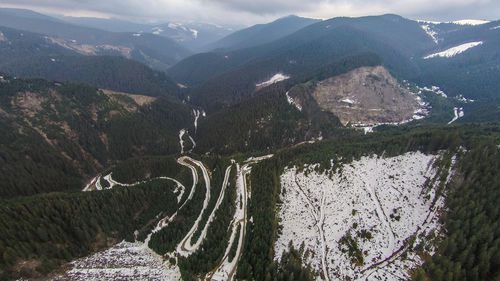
<point x="257" y="11"/>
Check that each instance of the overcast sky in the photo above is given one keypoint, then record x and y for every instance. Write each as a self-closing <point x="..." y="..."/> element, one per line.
<point x="249" y="12"/>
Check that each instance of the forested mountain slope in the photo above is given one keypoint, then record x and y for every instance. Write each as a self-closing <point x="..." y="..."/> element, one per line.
<point x="350" y="149"/>
<point x="108" y="72"/>
<point x="261" y="33"/>
<point x="405" y="47"/>
<point x="155" y="51"/>
<point x="56" y="135"/>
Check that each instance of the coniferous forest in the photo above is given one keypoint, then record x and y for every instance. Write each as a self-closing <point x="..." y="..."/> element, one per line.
<point x="192" y="151"/>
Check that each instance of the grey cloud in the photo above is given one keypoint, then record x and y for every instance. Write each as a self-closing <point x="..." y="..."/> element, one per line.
<point x="253" y="11"/>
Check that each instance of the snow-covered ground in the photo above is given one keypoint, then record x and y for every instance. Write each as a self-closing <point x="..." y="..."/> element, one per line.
<point x="459" y="22"/>
<point x="463" y="99"/>
<point x="196" y="114"/>
<point x="183" y="132"/>
<point x="276" y="78"/>
<point x="434" y="89"/>
<point x="469" y="22"/>
<point x="451" y="52"/>
<point x="293" y="102"/>
<point x="458" y="112"/>
<point x="124" y="261"/>
<point x="430" y="32"/>
<point x="347" y="100"/>
<point x="181" y="141"/>
<point x="386" y="197"/>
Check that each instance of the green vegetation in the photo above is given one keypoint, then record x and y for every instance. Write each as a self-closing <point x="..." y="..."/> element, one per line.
<point x="290" y="268"/>
<point x="51" y="229"/>
<point x="212" y="249"/>
<point x="56" y="135"/>
<point x="257" y="263"/>
<point x="107" y="72"/>
<point x="234" y="246"/>
<point x="349" y="245"/>
<point x="470" y="250"/>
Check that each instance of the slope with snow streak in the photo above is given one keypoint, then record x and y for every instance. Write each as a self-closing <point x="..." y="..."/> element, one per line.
<point x="292" y="101"/>
<point x="276" y="78"/>
<point x="387" y="197"/>
<point x="433" y="34"/>
<point x="458" y="112"/>
<point x="183" y="132"/>
<point x="451" y="52"/>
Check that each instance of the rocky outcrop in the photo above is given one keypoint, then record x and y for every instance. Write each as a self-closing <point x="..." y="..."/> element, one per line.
<point x="366" y="95"/>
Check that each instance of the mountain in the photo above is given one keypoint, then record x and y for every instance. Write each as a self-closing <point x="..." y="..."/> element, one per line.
<point x="191" y="35"/>
<point x="17" y="44"/>
<point x="26" y="54"/>
<point x="108" y="72"/>
<point x="349" y="149"/>
<point x="61" y="134"/>
<point x="155" y="51"/>
<point x="194" y="35"/>
<point x="465" y="59"/>
<point x="401" y="43"/>
<point x="319" y="43"/>
<point x="261" y="33"/>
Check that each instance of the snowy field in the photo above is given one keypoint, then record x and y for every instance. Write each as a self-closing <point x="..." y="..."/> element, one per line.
<point x="275" y="79"/>
<point x="124" y="261"/>
<point x="451" y="52"/>
<point x="378" y="202"/>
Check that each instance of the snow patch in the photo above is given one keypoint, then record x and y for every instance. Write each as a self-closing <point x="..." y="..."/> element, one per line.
<point x="348" y="101"/>
<point x="181" y="141"/>
<point x="463" y="99"/>
<point x="429" y="21"/>
<point x="386" y="197"/>
<point x="124" y="261"/>
<point x="430" y="32"/>
<point x="458" y="112"/>
<point x="495" y="27"/>
<point x="434" y="89"/>
<point x="451" y="52"/>
<point x="292" y="101"/>
<point x="276" y="78"/>
<point x="194" y="32"/>
<point x="157" y="30"/>
<point x="196" y="114"/>
<point x="137" y="35"/>
<point x="183" y="132"/>
<point x="469" y="22"/>
<point x="368" y="130"/>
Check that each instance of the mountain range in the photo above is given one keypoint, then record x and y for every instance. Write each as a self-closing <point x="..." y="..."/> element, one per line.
<point x="301" y="149"/>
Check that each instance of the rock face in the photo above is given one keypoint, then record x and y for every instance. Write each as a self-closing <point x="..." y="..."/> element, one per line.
<point x="366" y="95"/>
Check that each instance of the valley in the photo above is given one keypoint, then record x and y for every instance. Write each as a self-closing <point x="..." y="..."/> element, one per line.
<point x="348" y="148"/>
